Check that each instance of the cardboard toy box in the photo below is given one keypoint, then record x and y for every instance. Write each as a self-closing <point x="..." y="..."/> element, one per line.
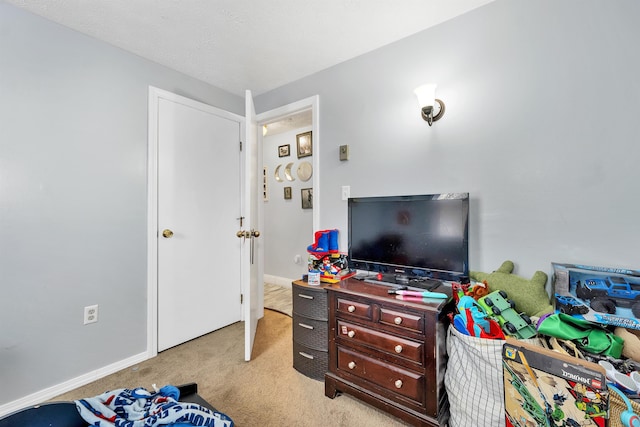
<point x="546" y="388"/>
<point x="609" y="296"/>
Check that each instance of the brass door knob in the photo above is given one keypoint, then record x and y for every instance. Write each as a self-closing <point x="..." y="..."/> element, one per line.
<point x="166" y="233"/>
<point x="248" y="234"/>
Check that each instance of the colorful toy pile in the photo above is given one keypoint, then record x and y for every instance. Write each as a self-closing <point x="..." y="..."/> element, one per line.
<point x="325" y="257"/>
<point x="490" y="315"/>
<point x="590" y="320"/>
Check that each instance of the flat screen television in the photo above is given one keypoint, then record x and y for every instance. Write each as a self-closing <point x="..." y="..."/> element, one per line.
<point x="402" y="239"/>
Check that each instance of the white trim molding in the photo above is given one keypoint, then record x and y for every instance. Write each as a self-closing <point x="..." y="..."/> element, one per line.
<point x="58" y="389"/>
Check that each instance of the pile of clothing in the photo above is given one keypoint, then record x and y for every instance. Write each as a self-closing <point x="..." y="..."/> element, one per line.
<point x="141" y="408"/>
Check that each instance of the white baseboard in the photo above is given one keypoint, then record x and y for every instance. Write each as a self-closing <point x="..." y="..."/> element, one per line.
<point x="58" y="389"/>
<point x="276" y="280"/>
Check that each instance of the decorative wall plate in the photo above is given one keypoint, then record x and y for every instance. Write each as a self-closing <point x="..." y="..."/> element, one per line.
<point x="305" y="170"/>
<point x="276" y="173"/>
<point x="287" y="172"/>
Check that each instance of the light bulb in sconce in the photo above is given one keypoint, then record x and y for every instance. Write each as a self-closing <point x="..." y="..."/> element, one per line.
<point x="431" y="108"/>
<point x="264" y="130"/>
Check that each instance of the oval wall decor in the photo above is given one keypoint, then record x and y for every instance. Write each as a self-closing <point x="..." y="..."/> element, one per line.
<point x="305" y="170"/>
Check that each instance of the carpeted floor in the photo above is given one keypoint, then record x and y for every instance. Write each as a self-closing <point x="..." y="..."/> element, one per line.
<point x="267" y="391"/>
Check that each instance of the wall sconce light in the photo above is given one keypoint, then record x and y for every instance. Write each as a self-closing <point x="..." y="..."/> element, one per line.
<point x="432" y="108"/>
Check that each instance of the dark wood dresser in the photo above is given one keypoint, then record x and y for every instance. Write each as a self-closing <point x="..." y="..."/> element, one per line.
<point x="310" y="329"/>
<point x="388" y="352"/>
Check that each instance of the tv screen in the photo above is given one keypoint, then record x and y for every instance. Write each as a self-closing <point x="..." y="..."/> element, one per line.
<point x="410" y="236"/>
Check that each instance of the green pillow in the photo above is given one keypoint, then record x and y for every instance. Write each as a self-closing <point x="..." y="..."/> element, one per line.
<point x="529" y="296"/>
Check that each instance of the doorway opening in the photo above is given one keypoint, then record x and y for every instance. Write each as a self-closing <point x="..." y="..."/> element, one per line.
<point x="291" y="192"/>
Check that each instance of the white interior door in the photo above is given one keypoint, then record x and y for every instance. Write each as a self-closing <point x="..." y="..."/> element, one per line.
<point x="198" y="208"/>
<point x="252" y="244"/>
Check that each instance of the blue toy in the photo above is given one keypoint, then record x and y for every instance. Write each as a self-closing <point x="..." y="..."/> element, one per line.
<point x="473" y="320"/>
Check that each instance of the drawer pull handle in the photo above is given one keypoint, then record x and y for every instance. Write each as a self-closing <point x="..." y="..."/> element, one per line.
<point x="351" y="334"/>
<point x="305" y="326"/>
<point x="351" y="309"/>
<point x="308" y="356"/>
<point x="352" y="365"/>
<point x="305" y="296"/>
<point x="398" y="349"/>
<point x="397" y="320"/>
<point x="398" y="383"/>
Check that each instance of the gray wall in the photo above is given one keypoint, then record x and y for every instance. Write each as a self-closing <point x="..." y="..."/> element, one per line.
<point x="541" y="128"/>
<point x="287" y="227"/>
<point x="73" y="152"/>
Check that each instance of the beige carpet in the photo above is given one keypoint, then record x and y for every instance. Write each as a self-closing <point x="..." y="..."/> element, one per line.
<point x="264" y="392"/>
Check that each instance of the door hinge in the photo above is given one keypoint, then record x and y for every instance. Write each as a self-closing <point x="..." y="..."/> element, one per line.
<point x="240" y="145"/>
<point x="241" y="298"/>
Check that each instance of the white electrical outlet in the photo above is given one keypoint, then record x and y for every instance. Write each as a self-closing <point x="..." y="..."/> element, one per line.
<point x="90" y="314"/>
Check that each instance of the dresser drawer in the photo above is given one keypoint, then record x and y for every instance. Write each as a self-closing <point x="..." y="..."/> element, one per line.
<point x="310" y="302"/>
<point x="355" y="309"/>
<point x="402" y="320"/>
<point x="390" y="344"/>
<point x="310" y="362"/>
<point x="397" y="380"/>
<point x="309" y="332"/>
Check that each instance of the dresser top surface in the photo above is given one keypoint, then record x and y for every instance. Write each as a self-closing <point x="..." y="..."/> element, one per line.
<point x="305" y="284"/>
<point x="381" y="293"/>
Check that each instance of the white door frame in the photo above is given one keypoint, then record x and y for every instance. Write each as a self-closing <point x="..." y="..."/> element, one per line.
<point x="155" y="94"/>
<point x="311" y="103"/>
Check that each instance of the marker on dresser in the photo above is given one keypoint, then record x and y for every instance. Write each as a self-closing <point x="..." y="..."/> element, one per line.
<point x="418" y="299"/>
<point x="418" y="294"/>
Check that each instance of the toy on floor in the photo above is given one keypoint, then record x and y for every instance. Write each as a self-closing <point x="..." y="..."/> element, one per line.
<point x="529" y="296"/>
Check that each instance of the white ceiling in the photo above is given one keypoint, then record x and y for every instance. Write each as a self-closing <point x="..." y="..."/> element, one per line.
<point x="288" y="123"/>
<point x="248" y="44"/>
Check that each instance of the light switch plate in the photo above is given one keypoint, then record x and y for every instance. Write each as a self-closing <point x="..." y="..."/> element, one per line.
<point x="346" y="192"/>
<point x="344" y="152"/>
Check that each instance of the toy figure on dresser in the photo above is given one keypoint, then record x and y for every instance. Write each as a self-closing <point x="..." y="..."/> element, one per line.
<point x="330" y="268"/>
<point x="325" y="257"/>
